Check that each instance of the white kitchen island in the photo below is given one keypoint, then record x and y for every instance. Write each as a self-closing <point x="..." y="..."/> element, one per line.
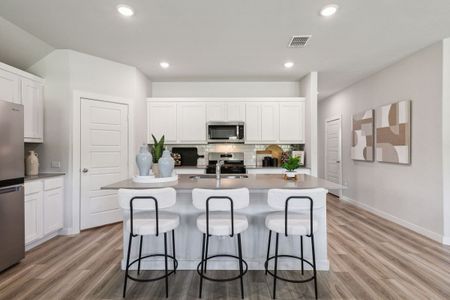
<point x="254" y="239"/>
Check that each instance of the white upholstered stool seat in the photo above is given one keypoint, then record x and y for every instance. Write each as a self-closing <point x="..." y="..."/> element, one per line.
<point x="220" y="223"/>
<point x="220" y="205"/>
<point x="145" y="223"/>
<point x="298" y="223"/>
<point x="142" y="207"/>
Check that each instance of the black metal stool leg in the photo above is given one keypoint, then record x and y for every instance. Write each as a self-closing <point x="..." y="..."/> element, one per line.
<point x="165" y="265"/>
<point x="127" y="267"/>
<point x="206" y="252"/>
<point x="140" y="255"/>
<point x="314" y="264"/>
<point x="201" y="269"/>
<point x="241" y="267"/>
<point x="173" y="252"/>
<point x="301" y="253"/>
<point x="276" y="267"/>
<point x="268" y="249"/>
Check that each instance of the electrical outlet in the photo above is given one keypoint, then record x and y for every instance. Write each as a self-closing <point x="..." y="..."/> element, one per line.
<point x="56" y="164"/>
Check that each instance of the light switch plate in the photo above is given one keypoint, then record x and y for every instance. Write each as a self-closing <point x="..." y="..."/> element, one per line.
<point x="56" y="164"/>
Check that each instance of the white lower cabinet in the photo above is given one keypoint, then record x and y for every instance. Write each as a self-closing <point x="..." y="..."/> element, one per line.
<point x="33" y="211"/>
<point x="44" y="213"/>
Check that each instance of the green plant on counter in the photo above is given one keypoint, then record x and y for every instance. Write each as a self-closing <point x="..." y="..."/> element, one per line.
<point x="157" y="148"/>
<point x="292" y="163"/>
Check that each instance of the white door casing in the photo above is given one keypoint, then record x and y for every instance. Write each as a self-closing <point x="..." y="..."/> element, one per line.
<point x="333" y="152"/>
<point x="104" y="160"/>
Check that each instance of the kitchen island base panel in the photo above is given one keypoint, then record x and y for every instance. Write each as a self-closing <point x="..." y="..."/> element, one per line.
<point x="254" y="240"/>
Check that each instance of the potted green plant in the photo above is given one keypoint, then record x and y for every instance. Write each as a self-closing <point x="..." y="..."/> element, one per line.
<point x="157" y="150"/>
<point x="290" y="165"/>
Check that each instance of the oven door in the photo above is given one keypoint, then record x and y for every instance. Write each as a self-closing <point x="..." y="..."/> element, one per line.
<point x="225" y="133"/>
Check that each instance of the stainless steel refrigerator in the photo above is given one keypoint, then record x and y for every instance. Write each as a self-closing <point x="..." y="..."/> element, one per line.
<point x="12" y="227"/>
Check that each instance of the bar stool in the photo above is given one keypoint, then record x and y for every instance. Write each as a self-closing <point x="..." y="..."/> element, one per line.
<point x="147" y="219"/>
<point x="291" y="219"/>
<point x="220" y="220"/>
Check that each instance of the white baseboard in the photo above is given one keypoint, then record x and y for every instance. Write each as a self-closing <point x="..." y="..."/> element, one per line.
<point x="41" y="241"/>
<point x="420" y="230"/>
<point x="68" y="231"/>
<point x="446" y="240"/>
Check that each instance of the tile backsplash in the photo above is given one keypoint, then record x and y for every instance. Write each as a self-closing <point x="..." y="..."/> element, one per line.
<point x="249" y="150"/>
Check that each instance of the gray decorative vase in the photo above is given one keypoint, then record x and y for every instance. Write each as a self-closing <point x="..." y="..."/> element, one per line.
<point x="144" y="161"/>
<point x="166" y="164"/>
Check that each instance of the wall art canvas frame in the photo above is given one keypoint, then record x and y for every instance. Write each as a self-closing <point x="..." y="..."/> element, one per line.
<point x="363" y="136"/>
<point x="393" y="133"/>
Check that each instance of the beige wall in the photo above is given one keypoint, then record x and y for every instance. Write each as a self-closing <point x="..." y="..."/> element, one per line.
<point x="410" y="195"/>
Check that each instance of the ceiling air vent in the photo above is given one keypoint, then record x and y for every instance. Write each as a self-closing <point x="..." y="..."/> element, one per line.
<point x="299" y="41"/>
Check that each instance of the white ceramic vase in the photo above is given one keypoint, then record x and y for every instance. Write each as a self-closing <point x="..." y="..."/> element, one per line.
<point x="32" y="164"/>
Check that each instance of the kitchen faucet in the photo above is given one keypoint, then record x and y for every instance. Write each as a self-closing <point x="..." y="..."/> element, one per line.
<point x="219" y="164"/>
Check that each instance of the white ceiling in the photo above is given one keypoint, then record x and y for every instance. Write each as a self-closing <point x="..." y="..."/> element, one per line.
<point x="239" y="40"/>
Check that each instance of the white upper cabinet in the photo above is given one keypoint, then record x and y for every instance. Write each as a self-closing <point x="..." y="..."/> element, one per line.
<point x="292" y="122"/>
<point x="33" y="103"/>
<point x="269" y="122"/>
<point x="192" y="123"/>
<point x="162" y="120"/>
<point x="236" y="111"/>
<point x="216" y="112"/>
<point x="20" y="87"/>
<point x="9" y="87"/>
<point x="221" y="111"/>
<point x="252" y="123"/>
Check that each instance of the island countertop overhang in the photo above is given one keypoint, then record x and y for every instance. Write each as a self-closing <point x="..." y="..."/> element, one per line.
<point x="254" y="182"/>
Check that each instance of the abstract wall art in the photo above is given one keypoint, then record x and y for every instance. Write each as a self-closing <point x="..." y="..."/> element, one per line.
<point x="393" y="128"/>
<point x="362" y="136"/>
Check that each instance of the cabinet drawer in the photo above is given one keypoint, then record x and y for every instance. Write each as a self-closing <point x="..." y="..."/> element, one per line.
<point x="53" y="183"/>
<point x="33" y="187"/>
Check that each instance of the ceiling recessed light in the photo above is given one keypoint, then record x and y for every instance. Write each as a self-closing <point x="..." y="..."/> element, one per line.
<point x="125" y="10"/>
<point x="164" y="65"/>
<point x="288" y="64"/>
<point x="329" y="10"/>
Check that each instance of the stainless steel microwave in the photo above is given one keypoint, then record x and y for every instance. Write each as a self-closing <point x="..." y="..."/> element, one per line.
<point x="225" y="132"/>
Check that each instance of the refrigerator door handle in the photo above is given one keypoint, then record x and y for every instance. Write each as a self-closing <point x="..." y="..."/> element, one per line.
<point x="10" y="189"/>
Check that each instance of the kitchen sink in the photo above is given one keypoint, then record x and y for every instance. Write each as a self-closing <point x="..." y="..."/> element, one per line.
<point x="224" y="176"/>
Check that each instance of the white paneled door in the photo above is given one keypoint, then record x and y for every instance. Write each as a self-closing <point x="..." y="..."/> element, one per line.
<point x="104" y="160"/>
<point x="333" y="166"/>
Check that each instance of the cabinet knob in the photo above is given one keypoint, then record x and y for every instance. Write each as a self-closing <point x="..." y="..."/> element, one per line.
<point x="85" y="170"/>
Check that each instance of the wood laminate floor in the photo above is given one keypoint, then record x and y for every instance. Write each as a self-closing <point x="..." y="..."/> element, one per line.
<point x="370" y="258"/>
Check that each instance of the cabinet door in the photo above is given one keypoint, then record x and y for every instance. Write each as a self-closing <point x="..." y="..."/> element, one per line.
<point x="269" y="122"/>
<point x="192" y="123"/>
<point x="216" y="112"/>
<point x="236" y="111"/>
<point x="252" y="123"/>
<point x="292" y="122"/>
<point x="53" y="210"/>
<point x="162" y="120"/>
<point x="9" y="87"/>
<point x="33" y="217"/>
<point x="33" y="104"/>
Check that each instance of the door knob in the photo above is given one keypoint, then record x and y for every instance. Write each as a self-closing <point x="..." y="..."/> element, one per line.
<point x="338" y="161"/>
<point x="85" y="170"/>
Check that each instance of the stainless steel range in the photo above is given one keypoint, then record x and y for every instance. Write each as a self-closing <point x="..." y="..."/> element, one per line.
<point x="233" y="163"/>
